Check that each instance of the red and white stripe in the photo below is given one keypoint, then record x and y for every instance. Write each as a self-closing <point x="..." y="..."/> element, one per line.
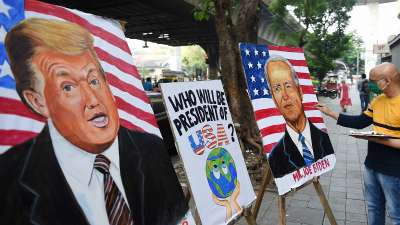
<point x="20" y="124"/>
<point x="209" y="136"/>
<point x="269" y="120"/>
<point x="221" y="134"/>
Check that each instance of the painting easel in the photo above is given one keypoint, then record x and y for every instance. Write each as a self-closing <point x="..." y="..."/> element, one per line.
<point x="247" y="213"/>
<point x="267" y="178"/>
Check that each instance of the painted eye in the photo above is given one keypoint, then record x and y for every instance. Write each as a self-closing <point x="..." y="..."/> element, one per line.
<point x="95" y="82"/>
<point x="224" y="168"/>
<point x="216" y="172"/>
<point x="67" y="88"/>
<point x="223" y="164"/>
<point x="277" y="89"/>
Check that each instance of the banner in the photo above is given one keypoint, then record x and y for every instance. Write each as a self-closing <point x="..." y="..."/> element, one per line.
<point x="78" y="136"/>
<point x="292" y="129"/>
<point x="207" y="143"/>
<point x="19" y="124"/>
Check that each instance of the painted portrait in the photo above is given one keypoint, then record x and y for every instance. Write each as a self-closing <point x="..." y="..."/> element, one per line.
<point x="303" y="143"/>
<point x="294" y="136"/>
<point x="93" y="160"/>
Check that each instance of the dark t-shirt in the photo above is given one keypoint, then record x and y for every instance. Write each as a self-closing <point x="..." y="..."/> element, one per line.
<point x="362" y="87"/>
<point x="381" y="158"/>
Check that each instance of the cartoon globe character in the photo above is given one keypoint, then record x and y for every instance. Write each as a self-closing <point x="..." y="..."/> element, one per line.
<point x="222" y="179"/>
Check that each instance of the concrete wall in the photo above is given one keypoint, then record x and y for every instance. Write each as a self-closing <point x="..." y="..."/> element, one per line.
<point x="396" y="55"/>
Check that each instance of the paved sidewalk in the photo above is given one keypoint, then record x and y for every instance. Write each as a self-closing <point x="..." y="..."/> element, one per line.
<point x="343" y="186"/>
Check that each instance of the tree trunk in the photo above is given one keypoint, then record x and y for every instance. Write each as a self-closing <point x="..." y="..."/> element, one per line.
<point x="213" y="56"/>
<point x="229" y="35"/>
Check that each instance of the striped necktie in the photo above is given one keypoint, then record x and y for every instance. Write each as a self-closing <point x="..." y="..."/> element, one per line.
<point x="117" y="210"/>
<point x="308" y="157"/>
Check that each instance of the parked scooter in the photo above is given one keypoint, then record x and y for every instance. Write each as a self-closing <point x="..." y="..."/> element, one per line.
<point x="332" y="93"/>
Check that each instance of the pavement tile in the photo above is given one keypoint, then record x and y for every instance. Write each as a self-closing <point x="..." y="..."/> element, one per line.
<point x="304" y="215"/>
<point x="357" y="196"/>
<point x="356" y="217"/>
<point x="339" y="215"/>
<point x="355" y="206"/>
<point x="339" y="222"/>
<point x="336" y="188"/>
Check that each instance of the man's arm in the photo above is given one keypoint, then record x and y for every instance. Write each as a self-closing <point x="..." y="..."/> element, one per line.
<point x="327" y="111"/>
<point x="356" y="122"/>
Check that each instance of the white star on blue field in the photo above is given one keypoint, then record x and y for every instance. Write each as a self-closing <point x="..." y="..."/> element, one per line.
<point x="253" y="59"/>
<point x="11" y="12"/>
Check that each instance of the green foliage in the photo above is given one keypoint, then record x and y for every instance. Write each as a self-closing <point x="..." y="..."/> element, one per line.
<point x="350" y="56"/>
<point x="203" y="10"/>
<point x="322" y="36"/>
<point x="193" y="59"/>
<point x="322" y="53"/>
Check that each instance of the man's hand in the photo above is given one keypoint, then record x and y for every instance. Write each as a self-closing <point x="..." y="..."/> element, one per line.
<point x="327" y="111"/>
<point x="391" y="142"/>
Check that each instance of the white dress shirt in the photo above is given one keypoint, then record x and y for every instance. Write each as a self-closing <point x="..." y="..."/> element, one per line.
<point x="295" y="138"/>
<point x="86" y="182"/>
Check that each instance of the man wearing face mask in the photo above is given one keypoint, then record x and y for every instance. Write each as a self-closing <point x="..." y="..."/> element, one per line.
<point x="382" y="164"/>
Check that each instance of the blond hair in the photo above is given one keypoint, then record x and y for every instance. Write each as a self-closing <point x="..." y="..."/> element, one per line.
<point x="23" y="40"/>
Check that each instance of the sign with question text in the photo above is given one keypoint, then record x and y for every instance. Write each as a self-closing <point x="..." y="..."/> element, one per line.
<point x="207" y="143"/>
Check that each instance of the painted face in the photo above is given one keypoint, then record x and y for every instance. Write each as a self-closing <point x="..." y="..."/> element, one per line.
<point x="286" y="94"/>
<point x="221" y="172"/>
<point x="78" y="98"/>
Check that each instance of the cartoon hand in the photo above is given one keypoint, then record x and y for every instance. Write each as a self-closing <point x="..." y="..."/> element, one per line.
<point x="224" y="202"/>
<point x="234" y="197"/>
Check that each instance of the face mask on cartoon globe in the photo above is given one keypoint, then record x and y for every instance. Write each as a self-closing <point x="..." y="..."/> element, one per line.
<point x="222" y="179"/>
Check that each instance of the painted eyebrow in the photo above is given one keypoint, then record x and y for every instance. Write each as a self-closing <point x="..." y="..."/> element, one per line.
<point x="91" y="70"/>
<point x="94" y="68"/>
<point x="56" y="64"/>
<point x="89" y="67"/>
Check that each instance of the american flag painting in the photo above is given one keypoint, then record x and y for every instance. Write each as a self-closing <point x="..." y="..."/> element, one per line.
<point x="269" y="120"/>
<point x="18" y="123"/>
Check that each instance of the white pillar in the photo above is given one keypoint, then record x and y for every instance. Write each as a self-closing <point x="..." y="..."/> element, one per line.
<point x="373" y="31"/>
<point x="398" y="9"/>
<point x="175" y="60"/>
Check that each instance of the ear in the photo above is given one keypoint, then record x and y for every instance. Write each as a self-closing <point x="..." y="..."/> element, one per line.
<point x="37" y="102"/>
<point x="300" y="92"/>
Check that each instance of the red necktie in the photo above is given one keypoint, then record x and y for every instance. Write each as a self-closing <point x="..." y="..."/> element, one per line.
<point x="117" y="210"/>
